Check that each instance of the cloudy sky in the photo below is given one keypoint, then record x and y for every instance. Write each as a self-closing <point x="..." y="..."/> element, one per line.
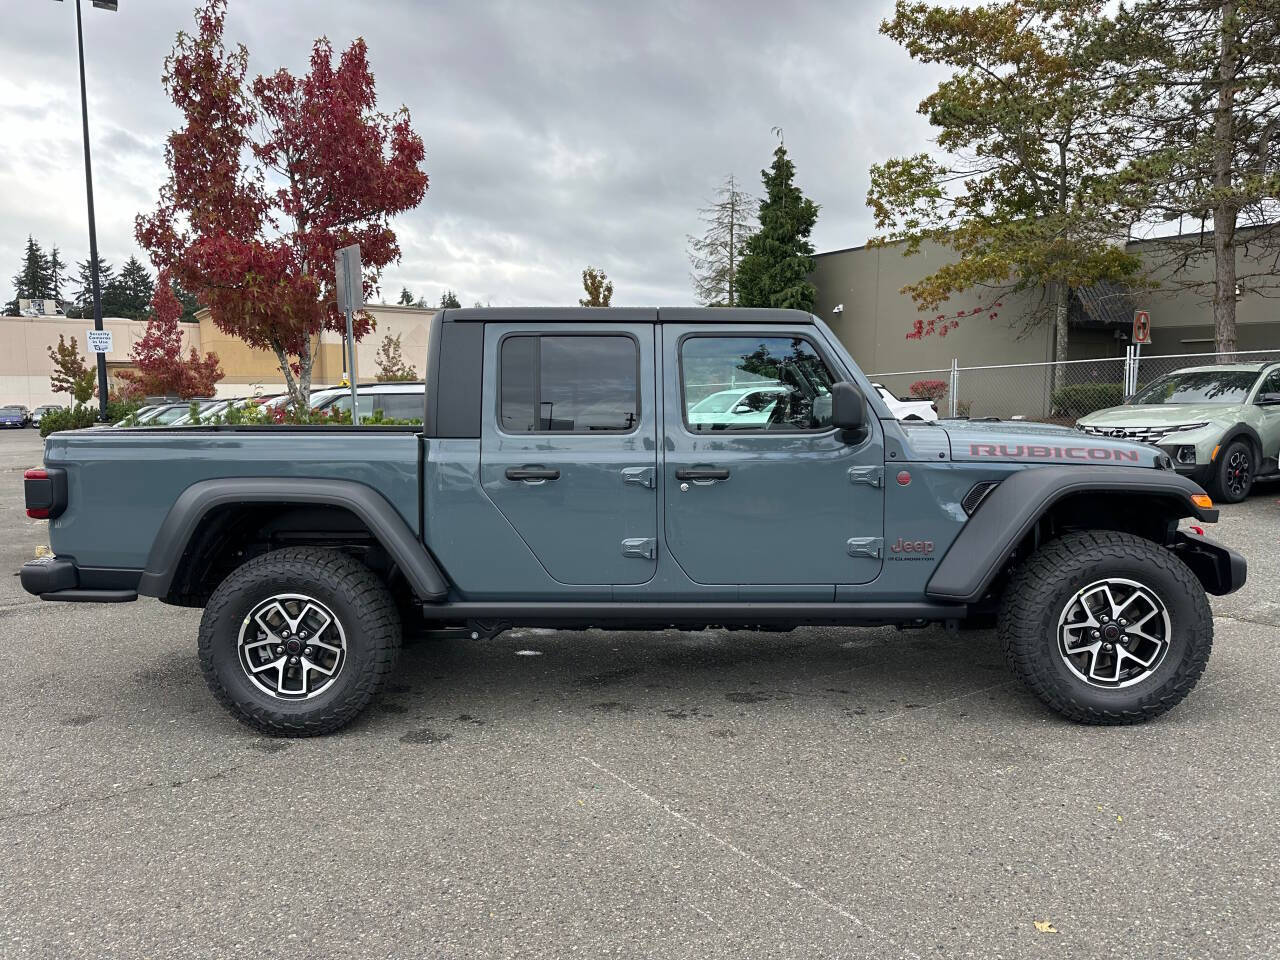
<point x="558" y="133"/>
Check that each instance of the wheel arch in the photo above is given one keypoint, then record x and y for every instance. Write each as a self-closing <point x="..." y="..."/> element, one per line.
<point x="213" y="517"/>
<point x="1036" y="503"/>
<point x="1249" y="433"/>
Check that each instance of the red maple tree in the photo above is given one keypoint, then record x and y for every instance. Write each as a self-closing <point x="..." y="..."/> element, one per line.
<point x="267" y="180"/>
<point x="161" y="370"/>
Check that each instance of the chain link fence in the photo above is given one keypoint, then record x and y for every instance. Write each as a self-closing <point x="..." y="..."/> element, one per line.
<point x="1059" y="392"/>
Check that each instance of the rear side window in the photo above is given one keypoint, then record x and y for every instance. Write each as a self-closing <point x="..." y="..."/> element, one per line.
<point x="569" y="384"/>
<point x="401" y="406"/>
<point x="754" y="384"/>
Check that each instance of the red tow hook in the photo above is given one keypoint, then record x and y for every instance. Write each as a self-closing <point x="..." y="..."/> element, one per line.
<point x="1198" y="531"/>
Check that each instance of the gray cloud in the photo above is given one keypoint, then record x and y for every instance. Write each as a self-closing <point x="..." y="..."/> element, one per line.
<point x="558" y="133"/>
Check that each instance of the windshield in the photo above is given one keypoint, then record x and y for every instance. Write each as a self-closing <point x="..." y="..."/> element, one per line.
<point x="1204" y="386"/>
<point x="10" y="411"/>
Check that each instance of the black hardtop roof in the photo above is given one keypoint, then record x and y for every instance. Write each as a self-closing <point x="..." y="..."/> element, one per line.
<point x="624" y="315"/>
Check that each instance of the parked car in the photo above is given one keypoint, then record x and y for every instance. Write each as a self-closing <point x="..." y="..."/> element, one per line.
<point x="1219" y="424"/>
<point x="398" y="400"/>
<point x="555" y="482"/>
<point x="14" y="416"/>
<point x="909" y="408"/>
<point x="739" y="408"/>
<point x="38" y="413"/>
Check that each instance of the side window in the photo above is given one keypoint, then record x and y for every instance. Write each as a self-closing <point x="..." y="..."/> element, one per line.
<point x="1271" y="384"/>
<point x="402" y="406"/>
<point x="569" y="384"/>
<point x="754" y="383"/>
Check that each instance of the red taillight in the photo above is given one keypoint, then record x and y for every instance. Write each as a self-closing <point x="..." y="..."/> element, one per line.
<point x="37" y="473"/>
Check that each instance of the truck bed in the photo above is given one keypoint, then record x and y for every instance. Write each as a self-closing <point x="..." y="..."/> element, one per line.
<point x="122" y="482"/>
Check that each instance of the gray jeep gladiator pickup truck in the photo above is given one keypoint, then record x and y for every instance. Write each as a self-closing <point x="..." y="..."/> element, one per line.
<point x="561" y="479"/>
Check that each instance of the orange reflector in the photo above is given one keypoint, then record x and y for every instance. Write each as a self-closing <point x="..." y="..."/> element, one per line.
<point x="1214" y="455"/>
<point x="1202" y="500"/>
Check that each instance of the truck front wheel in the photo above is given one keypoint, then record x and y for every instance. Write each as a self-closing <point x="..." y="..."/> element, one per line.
<point x="297" y="642"/>
<point x="1106" y="627"/>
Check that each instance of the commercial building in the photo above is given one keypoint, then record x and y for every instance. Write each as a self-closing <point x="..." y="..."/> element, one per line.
<point x="25" y="341"/>
<point x="859" y="295"/>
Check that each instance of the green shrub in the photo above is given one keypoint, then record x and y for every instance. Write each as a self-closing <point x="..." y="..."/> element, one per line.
<point x="1084" y="398"/>
<point x="68" y="418"/>
<point x="117" y="410"/>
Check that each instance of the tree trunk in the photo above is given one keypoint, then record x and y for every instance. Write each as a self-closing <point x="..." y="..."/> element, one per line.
<point x="1224" y="211"/>
<point x="1061" y="302"/>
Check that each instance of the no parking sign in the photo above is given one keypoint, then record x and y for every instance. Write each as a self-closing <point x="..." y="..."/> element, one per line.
<point x="1141" y="326"/>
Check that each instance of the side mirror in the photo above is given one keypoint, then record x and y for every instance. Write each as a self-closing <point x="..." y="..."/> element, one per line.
<point x="848" y="406"/>
<point x="1268" y="399"/>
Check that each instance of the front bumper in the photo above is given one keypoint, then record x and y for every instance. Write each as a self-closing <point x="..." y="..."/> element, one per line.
<point x="59" y="578"/>
<point x="1219" y="568"/>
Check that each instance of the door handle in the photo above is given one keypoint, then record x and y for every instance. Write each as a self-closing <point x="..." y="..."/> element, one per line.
<point x="532" y="474"/>
<point x="703" y="474"/>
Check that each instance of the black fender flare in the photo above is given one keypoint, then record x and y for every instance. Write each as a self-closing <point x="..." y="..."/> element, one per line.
<point x="1244" y="430"/>
<point x="397" y="538"/>
<point x="1009" y="512"/>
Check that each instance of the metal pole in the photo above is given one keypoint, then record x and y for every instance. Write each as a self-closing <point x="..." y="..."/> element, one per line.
<point x="93" y="228"/>
<point x="955" y="384"/>
<point x="351" y="369"/>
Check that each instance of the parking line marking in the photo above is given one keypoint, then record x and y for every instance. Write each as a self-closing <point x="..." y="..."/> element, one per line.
<point x="755" y="861"/>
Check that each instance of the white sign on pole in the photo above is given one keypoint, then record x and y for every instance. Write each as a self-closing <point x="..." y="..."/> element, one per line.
<point x="99" y="341"/>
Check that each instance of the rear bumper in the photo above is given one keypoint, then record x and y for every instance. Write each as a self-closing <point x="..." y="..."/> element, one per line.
<point x="59" y="578"/>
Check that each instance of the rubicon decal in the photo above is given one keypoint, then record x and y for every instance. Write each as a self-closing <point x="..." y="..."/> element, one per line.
<point x="1030" y="451"/>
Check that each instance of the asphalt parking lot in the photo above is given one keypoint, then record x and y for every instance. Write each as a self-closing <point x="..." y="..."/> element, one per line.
<point x="823" y="793"/>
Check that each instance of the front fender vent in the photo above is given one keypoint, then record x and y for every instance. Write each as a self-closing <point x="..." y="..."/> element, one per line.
<point x="977" y="493"/>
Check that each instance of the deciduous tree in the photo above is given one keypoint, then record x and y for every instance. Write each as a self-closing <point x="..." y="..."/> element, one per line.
<point x="1026" y="121"/>
<point x="598" y="287"/>
<point x="70" y="373"/>
<point x="268" y="179"/>
<point x="715" y="256"/>
<point x="778" y="258"/>
<point x="390" y="359"/>
<point x="160" y="368"/>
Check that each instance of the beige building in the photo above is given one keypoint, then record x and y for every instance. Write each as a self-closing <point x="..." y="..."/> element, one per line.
<point x="859" y="295"/>
<point x="25" y="366"/>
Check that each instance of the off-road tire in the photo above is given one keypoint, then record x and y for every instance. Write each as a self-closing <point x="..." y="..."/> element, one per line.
<point x="358" y="599"/>
<point x="1048" y="580"/>
<point x="1221" y="485"/>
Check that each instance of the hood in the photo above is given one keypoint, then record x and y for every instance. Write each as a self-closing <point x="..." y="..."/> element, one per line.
<point x="1158" y="414"/>
<point x="1018" y="442"/>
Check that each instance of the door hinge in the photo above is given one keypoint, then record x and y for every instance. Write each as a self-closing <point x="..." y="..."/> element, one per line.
<point x="644" y="476"/>
<point x="643" y="548"/>
<point x="872" y="476"/>
<point x="865" y="546"/>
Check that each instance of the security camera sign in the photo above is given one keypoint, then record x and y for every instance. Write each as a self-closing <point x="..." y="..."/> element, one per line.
<point x="99" y="340"/>
<point x="1141" y="326"/>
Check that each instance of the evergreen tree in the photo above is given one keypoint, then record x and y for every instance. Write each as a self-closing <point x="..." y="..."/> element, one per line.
<point x="1204" y="134"/>
<point x="717" y="254"/>
<point x="128" y="293"/>
<point x="189" y="301"/>
<point x="406" y="298"/>
<point x="83" y="298"/>
<point x="32" y="281"/>
<point x="449" y="300"/>
<point x="56" y="268"/>
<point x="778" y="259"/>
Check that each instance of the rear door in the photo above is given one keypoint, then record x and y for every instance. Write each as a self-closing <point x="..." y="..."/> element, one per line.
<point x="569" y="445"/>
<point x="768" y="492"/>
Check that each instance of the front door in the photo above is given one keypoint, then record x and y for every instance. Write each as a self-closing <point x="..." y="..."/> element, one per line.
<point x="759" y="487"/>
<point x="569" y="446"/>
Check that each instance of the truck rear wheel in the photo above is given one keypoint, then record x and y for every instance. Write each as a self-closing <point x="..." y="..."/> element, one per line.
<point x="1106" y="627"/>
<point x="297" y="642"/>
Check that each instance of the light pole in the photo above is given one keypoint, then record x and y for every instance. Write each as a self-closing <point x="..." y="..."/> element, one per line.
<point x="112" y="5"/>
